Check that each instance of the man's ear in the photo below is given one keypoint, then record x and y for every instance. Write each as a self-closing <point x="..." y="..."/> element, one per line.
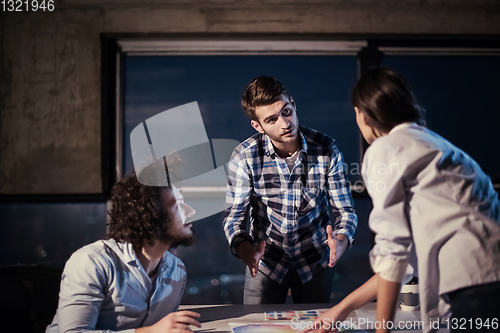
<point x="255" y="124"/>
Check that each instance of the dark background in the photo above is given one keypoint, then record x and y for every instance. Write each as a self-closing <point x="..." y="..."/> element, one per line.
<point x="460" y="94"/>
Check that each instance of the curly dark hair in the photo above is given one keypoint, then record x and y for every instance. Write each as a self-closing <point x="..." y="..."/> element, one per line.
<point x="137" y="213"/>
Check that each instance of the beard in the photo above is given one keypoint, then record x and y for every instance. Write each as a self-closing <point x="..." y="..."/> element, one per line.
<point x="177" y="240"/>
<point x="284" y="139"/>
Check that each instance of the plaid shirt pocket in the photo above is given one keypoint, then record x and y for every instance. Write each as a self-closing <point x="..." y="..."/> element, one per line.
<point x="309" y="199"/>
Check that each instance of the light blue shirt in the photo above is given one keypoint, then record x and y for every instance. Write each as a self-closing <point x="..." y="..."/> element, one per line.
<point x="105" y="288"/>
<point x="433" y="207"/>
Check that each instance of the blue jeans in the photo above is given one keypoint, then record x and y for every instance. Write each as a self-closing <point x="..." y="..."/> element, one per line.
<point x="475" y="306"/>
<point x="263" y="290"/>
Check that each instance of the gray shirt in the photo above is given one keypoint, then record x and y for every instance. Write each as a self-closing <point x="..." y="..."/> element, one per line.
<point x="105" y="288"/>
<point x="433" y="203"/>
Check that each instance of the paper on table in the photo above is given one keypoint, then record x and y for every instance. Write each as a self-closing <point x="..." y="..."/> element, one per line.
<point x="262" y="328"/>
<point x="369" y="316"/>
<point x="289" y="315"/>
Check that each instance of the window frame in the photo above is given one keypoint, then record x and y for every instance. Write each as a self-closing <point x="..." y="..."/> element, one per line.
<point x="369" y="50"/>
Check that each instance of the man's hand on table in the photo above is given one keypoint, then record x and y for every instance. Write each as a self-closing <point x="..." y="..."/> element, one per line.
<point x="251" y="255"/>
<point x="174" y="322"/>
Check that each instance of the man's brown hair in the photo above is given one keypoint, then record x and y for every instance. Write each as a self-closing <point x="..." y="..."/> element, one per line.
<point x="263" y="90"/>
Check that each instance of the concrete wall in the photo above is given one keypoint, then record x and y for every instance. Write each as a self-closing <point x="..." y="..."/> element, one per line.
<point x="50" y="65"/>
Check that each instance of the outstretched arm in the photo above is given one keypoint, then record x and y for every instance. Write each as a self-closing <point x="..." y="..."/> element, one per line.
<point x="359" y="297"/>
<point x="387" y="299"/>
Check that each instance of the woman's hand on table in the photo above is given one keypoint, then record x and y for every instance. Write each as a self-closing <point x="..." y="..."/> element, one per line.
<point x="329" y="320"/>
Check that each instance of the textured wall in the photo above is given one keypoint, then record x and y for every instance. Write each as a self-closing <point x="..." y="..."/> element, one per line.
<point x="50" y="65"/>
<point x="50" y="102"/>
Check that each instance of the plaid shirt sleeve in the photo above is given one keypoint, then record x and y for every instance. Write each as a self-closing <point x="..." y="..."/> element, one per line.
<point x="346" y="220"/>
<point x="237" y="202"/>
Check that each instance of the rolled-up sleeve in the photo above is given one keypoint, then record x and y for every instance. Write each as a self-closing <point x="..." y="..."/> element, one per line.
<point x="383" y="176"/>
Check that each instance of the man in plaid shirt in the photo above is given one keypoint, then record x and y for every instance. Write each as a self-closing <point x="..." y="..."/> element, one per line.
<point x="279" y="184"/>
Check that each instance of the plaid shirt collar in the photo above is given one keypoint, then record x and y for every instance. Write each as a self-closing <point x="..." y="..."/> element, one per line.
<point x="269" y="147"/>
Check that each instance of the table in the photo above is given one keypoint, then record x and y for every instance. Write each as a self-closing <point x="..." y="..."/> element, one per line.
<point x="216" y="318"/>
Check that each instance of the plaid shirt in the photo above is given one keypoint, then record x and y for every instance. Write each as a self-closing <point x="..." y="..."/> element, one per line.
<point x="288" y="210"/>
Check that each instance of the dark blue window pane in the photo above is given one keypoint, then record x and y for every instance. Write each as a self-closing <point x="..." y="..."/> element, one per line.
<point x="460" y="95"/>
<point x="320" y="86"/>
<point x="48" y="233"/>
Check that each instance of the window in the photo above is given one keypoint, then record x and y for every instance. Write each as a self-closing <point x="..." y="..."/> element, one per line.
<point x="460" y="95"/>
<point x="320" y="83"/>
<point x="455" y="80"/>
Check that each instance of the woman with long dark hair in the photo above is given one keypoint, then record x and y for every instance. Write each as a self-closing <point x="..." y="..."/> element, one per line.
<point x="435" y="215"/>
